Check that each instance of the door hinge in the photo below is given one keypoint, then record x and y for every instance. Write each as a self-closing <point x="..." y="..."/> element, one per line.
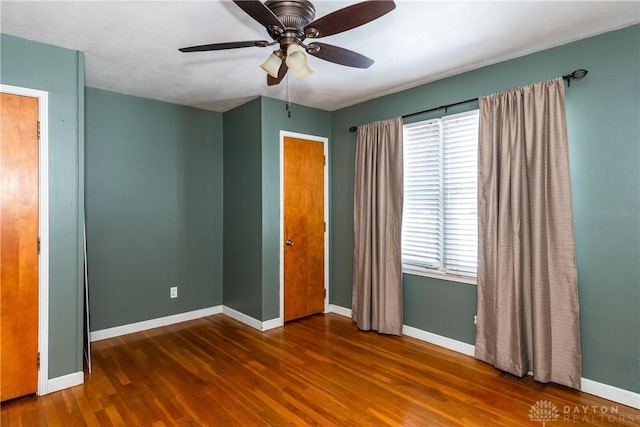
<point x="38" y="245"/>
<point x="324" y="157"/>
<point x="325" y="226"/>
<point x="38" y="129"/>
<point x="38" y="361"/>
<point x="325" y="293"/>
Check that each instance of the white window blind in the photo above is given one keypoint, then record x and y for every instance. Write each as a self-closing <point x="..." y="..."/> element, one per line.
<point x="439" y="231"/>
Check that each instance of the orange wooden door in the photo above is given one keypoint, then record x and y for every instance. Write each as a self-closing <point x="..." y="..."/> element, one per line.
<point x="304" y="228"/>
<point x="18" y="246"/>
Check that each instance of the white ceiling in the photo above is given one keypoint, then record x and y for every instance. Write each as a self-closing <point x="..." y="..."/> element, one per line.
<point x="131" y="47"/>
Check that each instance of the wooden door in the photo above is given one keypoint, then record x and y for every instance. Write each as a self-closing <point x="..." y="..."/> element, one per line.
<point x="304" y="228"/>
<point x="18" y="245"/>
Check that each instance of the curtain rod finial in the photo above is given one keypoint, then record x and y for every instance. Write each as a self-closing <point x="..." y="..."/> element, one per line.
<point x="353" y="129"/>
<point x="576" y="75"/>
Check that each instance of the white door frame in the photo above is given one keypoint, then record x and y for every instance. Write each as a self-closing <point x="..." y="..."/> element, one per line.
<point x="325" y="144"/>
<point x="43" y="229"/>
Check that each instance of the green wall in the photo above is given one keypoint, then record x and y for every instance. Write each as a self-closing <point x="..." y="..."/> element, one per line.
<point x="243" y="209"/>
<point x="59" y="72"/>
<point x="252" y="200"/>
<point x="604" y="134"/>
<point x="154" y="208"/>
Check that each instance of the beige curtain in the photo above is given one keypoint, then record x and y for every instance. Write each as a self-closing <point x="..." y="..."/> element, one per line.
<point x="527" y="279"/>
<point x="377" y="217"/>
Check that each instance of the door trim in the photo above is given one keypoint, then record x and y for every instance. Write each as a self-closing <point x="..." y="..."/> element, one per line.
<point x="325" y="143"/>
<point x="43" y="228"/>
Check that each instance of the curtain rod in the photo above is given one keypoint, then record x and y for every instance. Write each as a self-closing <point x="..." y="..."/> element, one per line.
<point x="576" y="75"/>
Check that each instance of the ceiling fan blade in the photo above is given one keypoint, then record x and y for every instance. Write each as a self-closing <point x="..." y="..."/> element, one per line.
<point x="222" y="46"/>
<point x="339" y="55"/>
<point x="261" y="13"/>
<point x="349" y="17"/>
<point x="282" y="71"/>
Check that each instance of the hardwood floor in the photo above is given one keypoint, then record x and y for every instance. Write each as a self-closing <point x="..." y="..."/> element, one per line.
<point x="315" y="371"/>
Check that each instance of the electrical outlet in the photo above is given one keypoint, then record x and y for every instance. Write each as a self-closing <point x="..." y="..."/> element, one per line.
<point x="475" y="319"/>
<point x="174" y="292"/>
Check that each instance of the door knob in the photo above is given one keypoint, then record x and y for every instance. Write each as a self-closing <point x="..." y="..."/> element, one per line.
<point x="289" y="242"/>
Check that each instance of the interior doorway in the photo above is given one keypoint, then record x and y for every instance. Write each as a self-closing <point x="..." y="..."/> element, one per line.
<point x="24" y="242"/>
<point x="304" y="226"/>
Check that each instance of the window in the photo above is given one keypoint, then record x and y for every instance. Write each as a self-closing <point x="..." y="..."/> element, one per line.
<point x="439" y="230"/>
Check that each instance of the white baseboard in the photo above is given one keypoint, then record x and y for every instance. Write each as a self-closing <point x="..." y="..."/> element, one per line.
<point x="609" y="392"/>
<point x="154" y="323"/>
<point x="272" y="324"/>
<point x="595" y="388"/>
<point x="183" y="317"/>
<point x="451" y="344"/>
<point x="250" y="321"/>
<point x="65" y="381"/>
<point x="346" y="312"/>
<point x="241" y="317"/>
<point x="439" y="340"/>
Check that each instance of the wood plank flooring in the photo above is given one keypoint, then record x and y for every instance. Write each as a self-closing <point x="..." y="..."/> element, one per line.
<point x="315" y="371"/>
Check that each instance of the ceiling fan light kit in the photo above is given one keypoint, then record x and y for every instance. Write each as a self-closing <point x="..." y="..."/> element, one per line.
<point x="297" y="61"/>
<point x="290" y="22"/>
<point x="272" y="64"/>
<point x="303" y="72"/>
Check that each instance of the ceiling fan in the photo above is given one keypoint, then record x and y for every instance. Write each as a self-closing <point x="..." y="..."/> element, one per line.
<point x="290" y="22"/>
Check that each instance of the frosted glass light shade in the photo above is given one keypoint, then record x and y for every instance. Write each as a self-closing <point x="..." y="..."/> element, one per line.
<point x="295" y="57"/>
<point x="272" y="65"/>
<point x="297" y="61"/>
<point x="302" y="72"/>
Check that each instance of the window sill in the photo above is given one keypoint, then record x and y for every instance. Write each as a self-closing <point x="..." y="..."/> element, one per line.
<point x="425" y="272"/>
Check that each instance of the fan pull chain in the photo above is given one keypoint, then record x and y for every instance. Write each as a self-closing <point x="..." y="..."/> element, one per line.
<point x="288" y="104"/>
